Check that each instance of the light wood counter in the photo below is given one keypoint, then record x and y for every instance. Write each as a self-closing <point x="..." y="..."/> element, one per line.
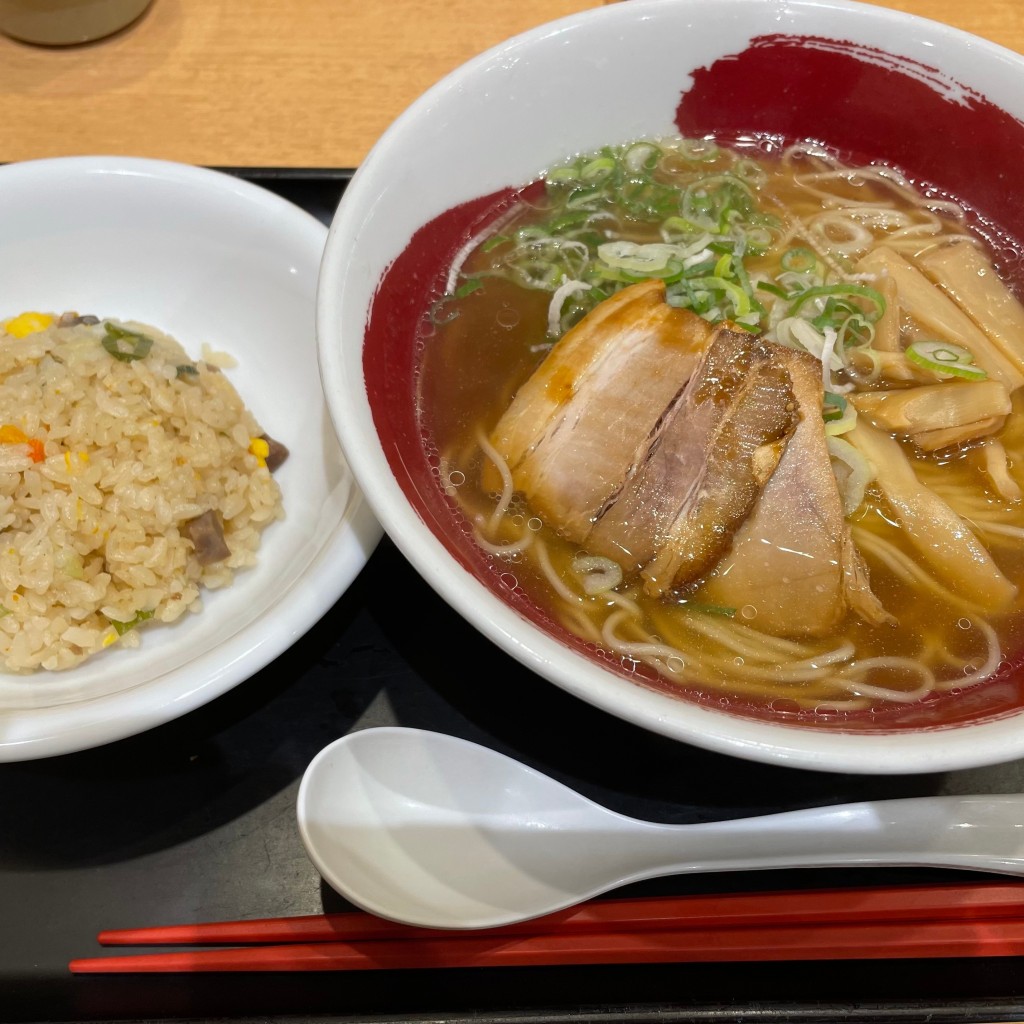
<point x="286" y="83"/>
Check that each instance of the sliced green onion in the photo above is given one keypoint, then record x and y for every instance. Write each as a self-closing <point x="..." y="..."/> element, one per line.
<point x="69" y="561"/>
<point x="716" y="202"/>
<point x="703" y="150"/>
<point x="680" y="225"/>
<point x="642" y="156"/>
<point x="494" y="242"/>
<point x="705" y="268"/>
<point x="840" y="416"/>
<point x="647" y="258"/>
<point x="759" y="239"/>
<point x="944" y="358"/>
<point x="773" y="289"/>
<point x="856" y="330"/>
<point x="126" y="627"/>
<point x="572" y="219"/>
<point x="749" y="170"/>
<point x="799" y="260"/>
<point x="740" y="299"/>
<point x="598" y="168"/>
<point x="539" y="274"/>
<point x="860" y="290"/>
<point x="743" y="279"/>
<point x="559" y="174"/>
<point x="583" y="198"/>
<point x="124" y="344"/>
<point x="750" y="322"/>
<point x="833" y="406"/>
<point x="531" y="232"/>
<point x="704" y="209"/>
<point x="468" y="287"/>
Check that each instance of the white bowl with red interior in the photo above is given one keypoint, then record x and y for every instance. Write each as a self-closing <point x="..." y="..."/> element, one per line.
<point x="943" y="107"/>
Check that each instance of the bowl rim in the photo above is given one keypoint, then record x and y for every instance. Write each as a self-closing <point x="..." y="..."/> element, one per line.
<point x="904" y="751"/>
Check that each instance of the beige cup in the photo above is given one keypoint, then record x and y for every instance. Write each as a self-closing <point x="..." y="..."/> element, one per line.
<point x="65" y="22"/>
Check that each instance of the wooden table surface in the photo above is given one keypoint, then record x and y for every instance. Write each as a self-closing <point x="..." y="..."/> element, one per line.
<point x="286" y="83"/>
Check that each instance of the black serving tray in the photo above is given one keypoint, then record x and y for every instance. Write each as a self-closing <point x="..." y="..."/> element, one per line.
<point x="194" y="821"/>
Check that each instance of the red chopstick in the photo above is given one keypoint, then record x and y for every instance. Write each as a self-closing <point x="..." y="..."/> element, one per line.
<point x="982" y="919"/>
<point x="892" y="904"/>
<point x="992" y="937"/>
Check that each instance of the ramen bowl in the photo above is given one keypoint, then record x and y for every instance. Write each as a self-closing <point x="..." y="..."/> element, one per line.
<point x="941" y="107"/>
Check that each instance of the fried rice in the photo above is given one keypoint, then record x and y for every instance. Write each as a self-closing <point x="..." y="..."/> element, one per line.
<point x="131" y="477"/>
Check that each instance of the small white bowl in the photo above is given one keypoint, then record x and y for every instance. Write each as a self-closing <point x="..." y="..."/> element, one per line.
<point x="207" y="258"/>
<point x="850" y="75"/>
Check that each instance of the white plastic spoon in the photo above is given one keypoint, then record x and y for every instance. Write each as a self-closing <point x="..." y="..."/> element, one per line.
<point x="431" y="830"/>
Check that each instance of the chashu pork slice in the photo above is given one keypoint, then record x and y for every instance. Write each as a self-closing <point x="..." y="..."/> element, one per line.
<point x="575" y="428"/>
<point x="794" y="562"/>
<point x="739" y="460"/>
<point x="698" y="427"/>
